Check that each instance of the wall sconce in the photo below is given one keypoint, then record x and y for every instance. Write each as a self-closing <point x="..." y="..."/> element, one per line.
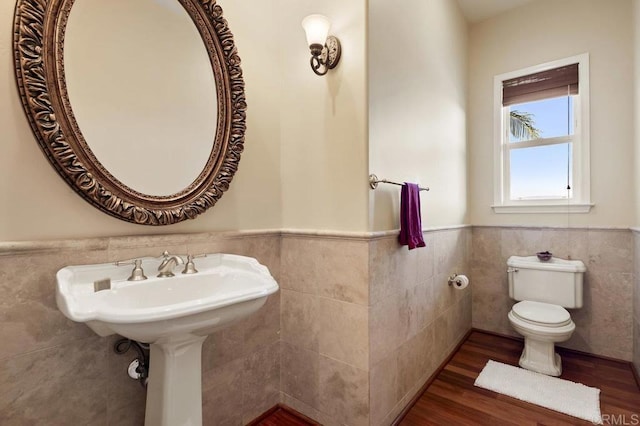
<point x="325" y="49"/>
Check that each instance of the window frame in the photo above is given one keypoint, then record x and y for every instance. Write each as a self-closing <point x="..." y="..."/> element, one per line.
<point x="581" y="191"/>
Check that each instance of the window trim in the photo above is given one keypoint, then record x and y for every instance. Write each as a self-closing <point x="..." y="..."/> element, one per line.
<point x="581" y="200"/>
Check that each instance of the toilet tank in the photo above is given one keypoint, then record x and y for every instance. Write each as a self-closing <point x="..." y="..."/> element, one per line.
<point x="557" y="281"/>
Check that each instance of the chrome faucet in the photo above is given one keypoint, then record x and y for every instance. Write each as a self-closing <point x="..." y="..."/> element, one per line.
<point x="169" y="262"/>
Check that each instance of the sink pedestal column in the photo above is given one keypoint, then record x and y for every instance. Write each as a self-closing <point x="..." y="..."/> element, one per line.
<point x="174" y="391"/>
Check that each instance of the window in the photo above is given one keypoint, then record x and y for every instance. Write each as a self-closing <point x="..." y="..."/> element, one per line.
<point x="542" y="138"/>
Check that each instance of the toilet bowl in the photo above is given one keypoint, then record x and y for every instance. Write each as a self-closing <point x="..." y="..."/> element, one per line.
<point x="542" y="325"/>
<point x="544" y="287"/>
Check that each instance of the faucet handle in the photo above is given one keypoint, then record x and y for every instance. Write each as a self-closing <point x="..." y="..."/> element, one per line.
<point x="190" y="267"/>
<point x="137" y="274"/>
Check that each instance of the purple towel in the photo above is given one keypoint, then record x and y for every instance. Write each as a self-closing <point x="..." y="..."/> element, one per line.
<point x="410" y="222"/>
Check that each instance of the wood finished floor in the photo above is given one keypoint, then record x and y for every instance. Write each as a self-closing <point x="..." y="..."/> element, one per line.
<point x="453" y="400"/>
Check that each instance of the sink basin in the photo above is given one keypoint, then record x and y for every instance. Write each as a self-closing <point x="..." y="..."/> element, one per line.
<point x="174" y="315"/>
<point x="226" y="288"/>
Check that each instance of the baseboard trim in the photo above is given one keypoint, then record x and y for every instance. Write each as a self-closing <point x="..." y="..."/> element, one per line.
<point x="430" y="380"/>
<point x="264" y="415"/>
<point x="289" y="411"/>
<point x="575" y="351"/>
<point x="635" y="374"/>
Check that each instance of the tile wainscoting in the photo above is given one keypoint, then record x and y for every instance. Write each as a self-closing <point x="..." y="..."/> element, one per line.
<point x="636" y="301"/>
<point x="365" y="321"/>
<point x="358" y="326"/>
<point x="604" y="324"/>
<point x="54" y="371"/>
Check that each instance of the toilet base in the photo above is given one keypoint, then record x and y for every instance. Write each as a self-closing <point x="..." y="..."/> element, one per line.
<point x="541" y="357"/>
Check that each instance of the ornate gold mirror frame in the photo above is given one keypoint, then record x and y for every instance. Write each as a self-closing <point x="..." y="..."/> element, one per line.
<point x="39" y="30"/>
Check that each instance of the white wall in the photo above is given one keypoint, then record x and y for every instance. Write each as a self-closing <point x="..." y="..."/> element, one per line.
<point x="37" y="204"/>
<point x="539" y="32"/>
<point x="324" y="119"/>
<point x="417" y="108"/>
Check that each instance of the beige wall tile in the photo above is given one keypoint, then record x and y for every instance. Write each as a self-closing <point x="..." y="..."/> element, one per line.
<point x="128" y="415"/>
<point x="223" y="346"/>
<point x="450" y="248"/>
<point x="395" y="412"/>
<point x="567" y="243"/>
<point x="391" y="267"/>
<point x="486" y="247"/>
<point x="636" y="346"/>
<point x="426" y="258"/>
<point x="300" y="266"/>
<point x="429" y="304"/>
<point x="260" y="381"/>
<point x="383" y="394"/>
<point x="636" y="302"/>
<point x="123" y="391"/>
<point x="222" y="394"/>
<point x="264" y="248"/>
<point x="444" y="295"/>
<point x="300" y="374"/>
<point x="441" y="338"/>
<point x="611" y="310"/>
<point x="610" y="250"/>
<point x="344" y="392"/>
<point x="260" y="329"/>
<point x="263" y="327"/>
<point x="415" y="310"/>
<point x="461" y="318"/>
<point x="384" y="328"/>
<point x="494" y="279"/>
<point x="521" y="242"/>
<point x="332" y="268"/>
<point x="490" y="310"/>
<point x="28" y="312"/>
<point x="415" y="357"/>
<point x="344" y="332"/>
<point x="491" y="302"/>
<point x="581" y="338"/>
<point x="61" y="385"/>
<point x="133" y="247"/>
<point x="300" y="319"/>
<point x="345" y="276"/>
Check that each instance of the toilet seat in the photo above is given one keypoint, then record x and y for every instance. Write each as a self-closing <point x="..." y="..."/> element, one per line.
<point x="541" y="314"/>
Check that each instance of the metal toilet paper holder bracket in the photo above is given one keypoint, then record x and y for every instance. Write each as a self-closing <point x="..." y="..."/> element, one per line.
<point x="452" y="279"/>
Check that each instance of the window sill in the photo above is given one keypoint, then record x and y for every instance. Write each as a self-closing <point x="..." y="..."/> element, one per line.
<point x="542" y="208"/>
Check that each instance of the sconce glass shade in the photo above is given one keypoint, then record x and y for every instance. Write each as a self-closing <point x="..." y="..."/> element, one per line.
<point x="316" y="28"/>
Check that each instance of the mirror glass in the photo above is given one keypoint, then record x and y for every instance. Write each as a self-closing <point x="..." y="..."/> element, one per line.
<point x="142" y="90"/>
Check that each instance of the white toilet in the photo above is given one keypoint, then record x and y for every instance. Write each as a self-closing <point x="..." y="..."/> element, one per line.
<point x="544" y="288"/>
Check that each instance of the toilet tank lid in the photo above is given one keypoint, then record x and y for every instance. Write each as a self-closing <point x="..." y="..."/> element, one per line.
<point x="555" y="264"/>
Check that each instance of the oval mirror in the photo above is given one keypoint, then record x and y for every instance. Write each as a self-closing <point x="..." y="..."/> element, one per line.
<point x="147" y="114"/>
<point x="138" y="104"/>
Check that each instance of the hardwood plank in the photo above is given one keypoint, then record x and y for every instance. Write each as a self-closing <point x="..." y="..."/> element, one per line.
<point x="452" y="399"/>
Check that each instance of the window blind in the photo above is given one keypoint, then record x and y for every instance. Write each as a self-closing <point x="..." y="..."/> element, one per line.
<point x="541" y="85"/>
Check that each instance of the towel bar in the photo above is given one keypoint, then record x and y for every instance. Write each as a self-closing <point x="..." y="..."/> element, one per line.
<point x="374" y="181"/>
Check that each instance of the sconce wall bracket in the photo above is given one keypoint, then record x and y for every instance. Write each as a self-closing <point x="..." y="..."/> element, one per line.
<point x="328" y="58"/>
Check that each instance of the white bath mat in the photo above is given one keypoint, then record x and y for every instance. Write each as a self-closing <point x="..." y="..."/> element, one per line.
<point x="567" y="397"/>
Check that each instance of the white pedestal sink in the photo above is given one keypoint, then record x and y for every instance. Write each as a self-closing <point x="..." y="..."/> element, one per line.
<point x="174" y="315"/>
